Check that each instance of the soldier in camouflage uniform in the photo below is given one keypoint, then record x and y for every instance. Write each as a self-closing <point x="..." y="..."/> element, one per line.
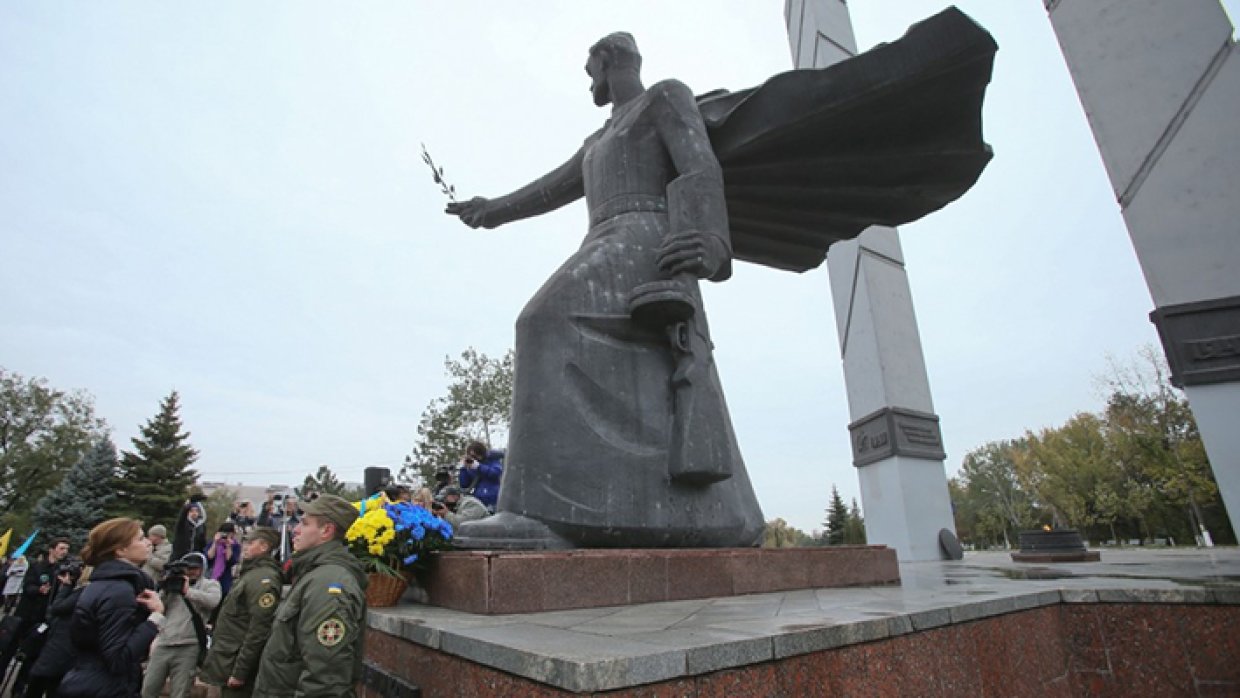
<point x="315" y="649"/>
<point x="245" y="618"/>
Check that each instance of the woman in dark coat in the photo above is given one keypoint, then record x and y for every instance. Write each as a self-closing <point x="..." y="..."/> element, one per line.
<point x="189" y="533"/>
<point x="117" y="616"/>
<point x="57" y="656"/>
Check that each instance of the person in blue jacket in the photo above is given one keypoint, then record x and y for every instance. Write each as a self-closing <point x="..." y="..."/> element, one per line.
<point x="480" y="472"/>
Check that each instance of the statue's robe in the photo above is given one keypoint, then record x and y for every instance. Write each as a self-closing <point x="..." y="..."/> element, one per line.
<point x="592" y="413"/>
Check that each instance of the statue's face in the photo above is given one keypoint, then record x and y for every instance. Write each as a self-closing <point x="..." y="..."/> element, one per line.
<point x="596" y="69"/>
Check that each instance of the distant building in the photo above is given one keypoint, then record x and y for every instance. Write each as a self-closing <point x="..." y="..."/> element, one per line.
<point x="254" y="494"/>
<point x="257" y="494"/>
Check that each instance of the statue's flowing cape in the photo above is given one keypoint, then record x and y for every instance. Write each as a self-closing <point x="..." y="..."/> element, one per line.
<point x="812" y="157"/>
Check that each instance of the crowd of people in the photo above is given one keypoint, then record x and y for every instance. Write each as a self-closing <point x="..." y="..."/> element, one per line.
<point x="125" y="621"/>
<point x="134" y="613"/>
<point x="468" y="491"/>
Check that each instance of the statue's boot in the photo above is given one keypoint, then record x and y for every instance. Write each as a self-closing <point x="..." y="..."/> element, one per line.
<point x="508" y="531"/>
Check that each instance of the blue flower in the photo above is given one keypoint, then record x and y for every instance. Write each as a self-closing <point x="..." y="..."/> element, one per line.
<point x="411" y="559"/>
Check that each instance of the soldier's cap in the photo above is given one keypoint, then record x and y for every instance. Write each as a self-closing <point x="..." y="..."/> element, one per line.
<point x="270" y="535"/>
<point x="332" y="508"/>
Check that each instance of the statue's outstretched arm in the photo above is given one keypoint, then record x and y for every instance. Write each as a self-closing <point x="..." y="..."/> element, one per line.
<point x="699" y="243"/>
<point x="561" y="186"/>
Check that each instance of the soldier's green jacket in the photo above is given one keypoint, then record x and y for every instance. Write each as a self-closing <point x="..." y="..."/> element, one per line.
<point x="244" y="622"/>
<point x="315" y="648"/>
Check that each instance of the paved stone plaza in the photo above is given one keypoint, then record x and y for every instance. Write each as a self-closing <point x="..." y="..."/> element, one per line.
<point x="616" y="647"/>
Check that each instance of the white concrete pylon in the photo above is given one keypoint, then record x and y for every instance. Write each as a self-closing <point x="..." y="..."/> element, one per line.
<point x="897" y="444"/>
<point x="1160" y="83"/>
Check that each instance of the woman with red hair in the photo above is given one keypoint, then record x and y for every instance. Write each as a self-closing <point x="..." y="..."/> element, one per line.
<point x="117" y="617"/>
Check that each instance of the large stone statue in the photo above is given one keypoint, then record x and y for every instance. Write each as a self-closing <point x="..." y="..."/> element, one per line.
<point x="620" y="436"/>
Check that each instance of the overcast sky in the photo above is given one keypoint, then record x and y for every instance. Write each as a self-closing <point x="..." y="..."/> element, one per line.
<point x="227" y="199"/>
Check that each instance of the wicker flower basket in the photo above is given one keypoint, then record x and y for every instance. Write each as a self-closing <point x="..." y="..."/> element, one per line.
<point x="384" y="590"/>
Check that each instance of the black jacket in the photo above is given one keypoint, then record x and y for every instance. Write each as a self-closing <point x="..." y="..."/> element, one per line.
<point x="187" y="537"/>
<point x="110" y="634"/>
<point x="57" y="656"/>
<point x="33" y="606"/>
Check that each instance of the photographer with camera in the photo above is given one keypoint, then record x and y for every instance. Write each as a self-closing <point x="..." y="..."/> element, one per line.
<point x="281" y="513"/>
<point x="443" y="478"/>
<point x="456" y="508"/>
<point x="480" y="473"/>
<point x="57" y="655"/>
<point x="245" y="618"/>
<point x="243" y="516"/>
<point x="189" y="597"/>
<point x="223" y="553"/>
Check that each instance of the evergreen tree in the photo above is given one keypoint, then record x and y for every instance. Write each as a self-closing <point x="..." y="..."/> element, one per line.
<point x="156" y="477"/>
<point x="837" y="518"/>
<point x="854" y="530"/>
<point x="81" y="499"/>
<point x="325" y="482"/>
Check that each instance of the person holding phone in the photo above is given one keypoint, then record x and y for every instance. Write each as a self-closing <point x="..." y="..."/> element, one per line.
<point x="223" y="554"/>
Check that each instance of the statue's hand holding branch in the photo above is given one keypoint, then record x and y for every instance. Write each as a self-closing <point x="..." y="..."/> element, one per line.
<point x="477" y="212"/>
<point x="693" y="252"/>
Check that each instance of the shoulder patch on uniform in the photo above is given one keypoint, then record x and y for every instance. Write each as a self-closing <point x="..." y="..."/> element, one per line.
<point x="335" y="588"/>
<point x="330" y="632"/>
<point x="267" y="600"/>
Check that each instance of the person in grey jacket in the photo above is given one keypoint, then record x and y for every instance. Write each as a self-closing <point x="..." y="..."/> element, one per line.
<point x="13" y="577"/>
<point x="161" y="552"/>
<point x="175" y="654"/>
<point x="457" y="508"/>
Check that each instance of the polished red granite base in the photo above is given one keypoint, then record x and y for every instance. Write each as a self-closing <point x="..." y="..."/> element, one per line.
<point x="529" y="582"/>
<point x="1061" y="650"/>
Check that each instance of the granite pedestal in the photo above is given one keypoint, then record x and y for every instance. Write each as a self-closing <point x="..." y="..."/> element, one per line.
<point x="1138" y="623"/>
<point x="492" y="582"/>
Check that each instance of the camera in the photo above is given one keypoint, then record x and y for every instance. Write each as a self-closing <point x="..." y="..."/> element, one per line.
<point x="173" y="580"/>
<point x="73" y="568"/>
